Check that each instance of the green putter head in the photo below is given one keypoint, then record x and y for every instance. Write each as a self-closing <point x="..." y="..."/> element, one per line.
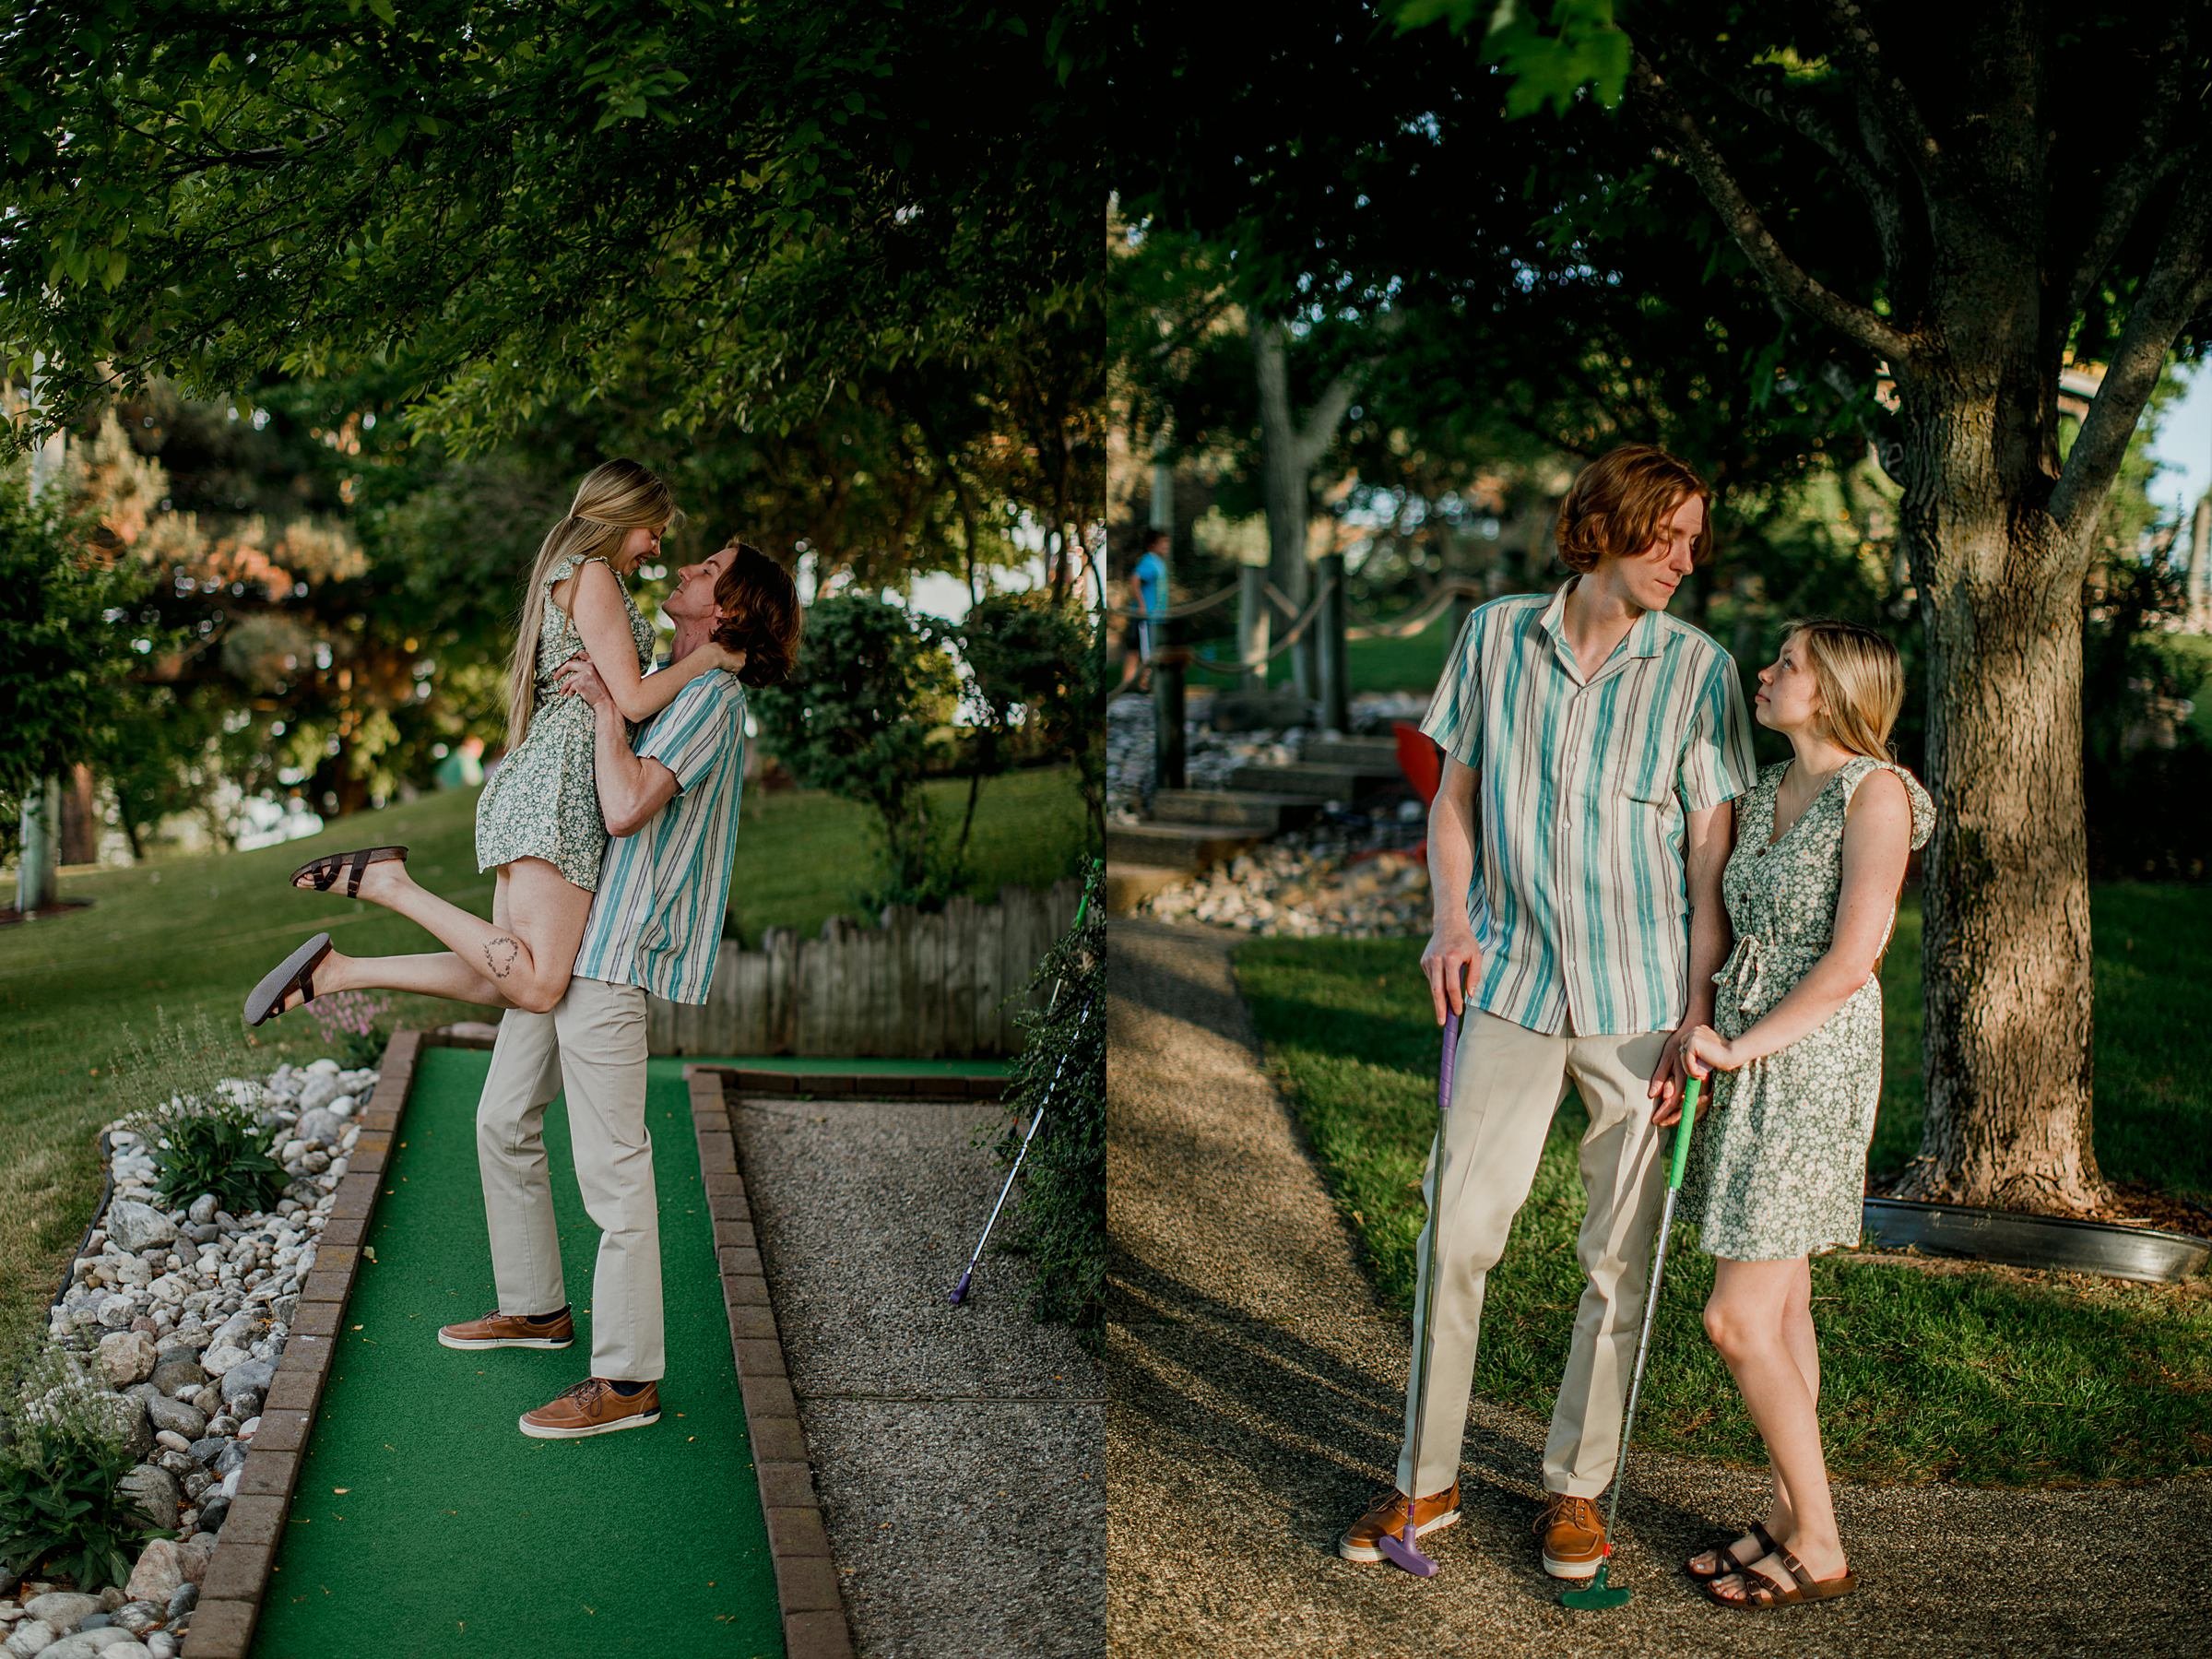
<point x="1596" y="1596"/>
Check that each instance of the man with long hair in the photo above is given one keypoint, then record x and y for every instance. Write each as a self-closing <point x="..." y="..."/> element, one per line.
<point x="1578" y="930"/>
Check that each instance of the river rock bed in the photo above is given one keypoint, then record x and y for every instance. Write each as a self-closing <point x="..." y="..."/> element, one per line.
<point x="175" y="1319"/>
<point x="1345" y="876"/>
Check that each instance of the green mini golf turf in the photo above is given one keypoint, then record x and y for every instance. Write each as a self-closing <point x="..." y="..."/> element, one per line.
<point x="426" y="1523"/>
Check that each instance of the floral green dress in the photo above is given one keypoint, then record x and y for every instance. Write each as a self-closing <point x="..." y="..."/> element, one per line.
<point x="543" y="802"/>
<point x="1778" y="1168"/>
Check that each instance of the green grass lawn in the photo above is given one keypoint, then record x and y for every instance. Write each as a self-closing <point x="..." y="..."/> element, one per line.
<point x="191" y="935"/>
<point x="1930" y="1372"/>
<point x="1370" y="665"/>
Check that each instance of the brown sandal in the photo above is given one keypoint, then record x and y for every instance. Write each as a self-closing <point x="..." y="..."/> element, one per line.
<point x="296" y="972"/>
<point x="323" y="874"/>
<point x="1725" y="1549"/>
<point x="1764" y="1590"/>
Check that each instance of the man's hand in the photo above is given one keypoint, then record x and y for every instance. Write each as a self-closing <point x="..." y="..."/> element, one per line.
<point x="1669" y="1077"/>
<point x="1451" y="961"/>
<point x="579" y="677"/>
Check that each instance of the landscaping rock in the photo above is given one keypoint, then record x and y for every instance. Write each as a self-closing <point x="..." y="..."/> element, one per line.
<point x="320" y="1127"/>
<point x="32" y="1637"/>
<point x="232" y="1456"/>
<point x="134" y="1225"/>
<point x="202" y="1210"/>
<point x="248" y="1377"/>
<point x="129" y="1415"/>
<point x="177" y="1416"/>
<point x="154" y="1490"/>
<point x="160" y="1571"/>
<point x="195" y="1553"/>
<point x="62" y="1610"/>
<point x="121" y="1644"/>
<point x="319" y="1092"/>
<point x="173" y="1439"/>
<point x="139" y="1616"/>
<point x="126" y="1357"/>
<point x="217" y="1360"/>
<point x="214" y="1512"/>
<point x="175" y="1368"/>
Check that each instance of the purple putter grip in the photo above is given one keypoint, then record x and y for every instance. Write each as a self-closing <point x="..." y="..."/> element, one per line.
<point x="1452" y="1048"/>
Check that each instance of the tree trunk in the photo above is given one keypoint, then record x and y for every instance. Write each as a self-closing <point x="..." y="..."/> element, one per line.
<point x="1283" y="482"/>
<point x="81" y="817"/>
<point x="2006" y="938"/>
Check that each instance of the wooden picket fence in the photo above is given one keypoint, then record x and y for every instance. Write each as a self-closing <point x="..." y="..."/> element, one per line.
<point x="915" y="987"/>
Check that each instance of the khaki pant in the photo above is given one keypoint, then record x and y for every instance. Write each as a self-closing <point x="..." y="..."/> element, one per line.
<point x="595" y="1042"/>
<point x="1508" y="1081"/>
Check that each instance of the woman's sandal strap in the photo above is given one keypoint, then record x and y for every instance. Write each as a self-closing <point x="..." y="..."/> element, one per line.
<point x="1724" y="1551"/>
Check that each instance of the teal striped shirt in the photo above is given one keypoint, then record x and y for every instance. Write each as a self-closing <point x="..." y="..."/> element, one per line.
<point x="1580" y="900"/>
<point x="657" y="920"/>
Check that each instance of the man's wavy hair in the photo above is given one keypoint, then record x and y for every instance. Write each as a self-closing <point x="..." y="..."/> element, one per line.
<point x="1620" y="504"/>
<point x="759" y="615"/>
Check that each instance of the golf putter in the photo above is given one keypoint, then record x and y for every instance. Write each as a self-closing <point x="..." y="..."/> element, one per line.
<point x="1403" y="1549"/>
<point x="960" y="1291"/>
<point x="1597" y="1596"/>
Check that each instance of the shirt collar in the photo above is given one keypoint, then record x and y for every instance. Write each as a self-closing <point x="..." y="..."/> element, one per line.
<point x="1643" y="635"/>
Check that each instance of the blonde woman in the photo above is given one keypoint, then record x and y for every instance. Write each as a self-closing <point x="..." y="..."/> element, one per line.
<point x="1780" y="1170"/>
<point x="539" y="822"/>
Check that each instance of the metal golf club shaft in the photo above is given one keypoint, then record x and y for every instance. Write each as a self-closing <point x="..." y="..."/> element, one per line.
<point x="960" y="1290"/>
<point x="1405" y="1550"/>
<point x="1597" y="1595"/>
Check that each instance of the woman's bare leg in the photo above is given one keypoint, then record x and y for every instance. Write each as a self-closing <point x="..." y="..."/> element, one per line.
<point x="1748" y="1318"/>
<point x="526" y="957"/>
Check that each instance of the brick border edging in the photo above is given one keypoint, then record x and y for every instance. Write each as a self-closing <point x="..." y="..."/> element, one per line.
<point x="238" y="1574"/>
<point x="815" y="1626"/>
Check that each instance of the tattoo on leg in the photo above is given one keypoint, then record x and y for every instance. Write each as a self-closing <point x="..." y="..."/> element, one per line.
<point x="499" y="956"/>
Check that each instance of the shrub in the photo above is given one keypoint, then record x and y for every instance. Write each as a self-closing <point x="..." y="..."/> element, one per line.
<point x="206" y="1132"/>
<point x="350" y="1022"/>
<point x="854" y="719"/>
<point x="1058" y="1221"/>
<point x="62" y="1457"/>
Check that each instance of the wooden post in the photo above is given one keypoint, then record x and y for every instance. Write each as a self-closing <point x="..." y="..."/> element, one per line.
<point x="1336" y="693"/>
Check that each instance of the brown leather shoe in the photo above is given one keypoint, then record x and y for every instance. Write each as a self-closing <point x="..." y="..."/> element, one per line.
<point x="497" y="1330"/>
<point x="1362" y="1539"/>
<point x="1573" y="1536"/>
<point x="592" y="1407"/>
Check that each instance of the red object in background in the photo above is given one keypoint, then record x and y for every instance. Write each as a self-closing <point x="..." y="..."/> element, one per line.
<point x="1422" y="764"/>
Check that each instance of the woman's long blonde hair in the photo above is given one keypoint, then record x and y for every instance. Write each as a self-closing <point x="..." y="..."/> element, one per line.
<point x="1862" y="682"/>
<point x="615" y="498"/>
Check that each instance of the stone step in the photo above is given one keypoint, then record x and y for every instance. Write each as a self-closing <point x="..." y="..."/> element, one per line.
<point x="1369" y="755"/>
<point x="1188" y="848"/>
<point x="1313" y="781"/>
<point x="1236" y="809"/>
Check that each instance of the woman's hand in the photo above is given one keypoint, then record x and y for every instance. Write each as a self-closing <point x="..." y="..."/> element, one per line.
<point x="1451" y="961"/>
<point x="728" y="661"/>
<point x="1705" y="1050"/>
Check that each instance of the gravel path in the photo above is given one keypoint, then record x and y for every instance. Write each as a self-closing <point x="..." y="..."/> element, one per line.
<point x="957" y="1449"/>
<point x="1256" y="1393"/>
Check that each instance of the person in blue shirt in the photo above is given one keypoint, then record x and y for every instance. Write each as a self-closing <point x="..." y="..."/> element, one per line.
<point x="1148" y="596"/>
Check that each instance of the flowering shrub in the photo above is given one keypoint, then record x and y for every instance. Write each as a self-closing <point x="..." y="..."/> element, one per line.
<point x="348" y="1021"/>
<point x="204" y="1133"/>
<point x="62" y="1460"/>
